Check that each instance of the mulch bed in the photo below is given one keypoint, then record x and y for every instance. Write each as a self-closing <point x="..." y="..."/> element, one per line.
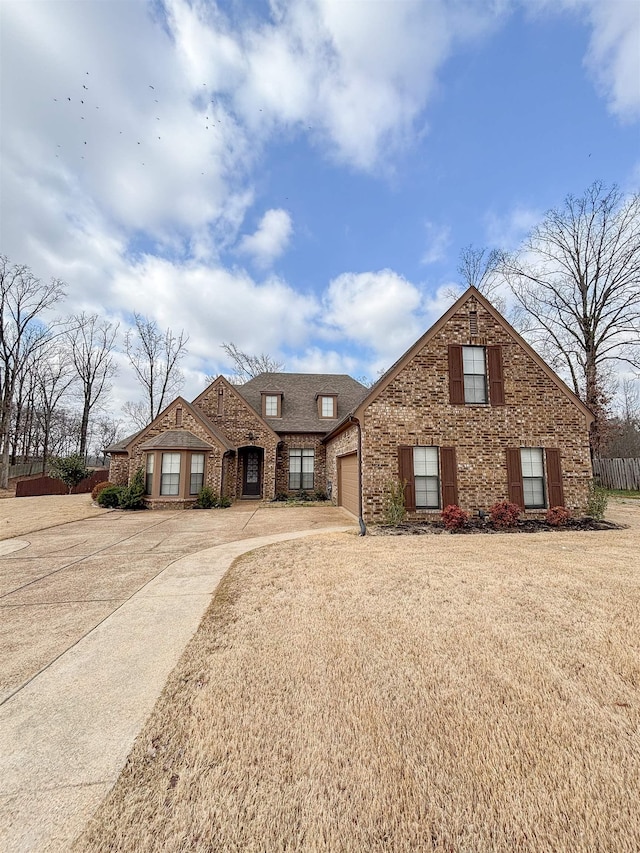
<point x="478" y="525"/>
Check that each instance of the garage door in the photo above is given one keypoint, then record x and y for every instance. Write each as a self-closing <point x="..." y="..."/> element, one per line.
<point x="348" y="482"/>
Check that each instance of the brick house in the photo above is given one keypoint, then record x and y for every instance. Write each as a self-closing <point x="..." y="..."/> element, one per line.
<point x="469" y="415"/>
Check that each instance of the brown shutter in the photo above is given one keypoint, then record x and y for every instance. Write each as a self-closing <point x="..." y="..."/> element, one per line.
<point x="405" y="459"/>
<point x="554" y="477"/>
<point x="449" y="475"/>
<point x="496" y="378"/>
<point x="456" y="378"/>
<point x="514" y="476"/>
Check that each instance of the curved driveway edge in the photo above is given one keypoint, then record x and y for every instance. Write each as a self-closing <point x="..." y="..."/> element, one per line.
<point x="65" y="736"/>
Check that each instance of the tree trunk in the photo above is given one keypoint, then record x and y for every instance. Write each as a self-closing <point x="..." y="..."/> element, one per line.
<point x="84" y="427"/>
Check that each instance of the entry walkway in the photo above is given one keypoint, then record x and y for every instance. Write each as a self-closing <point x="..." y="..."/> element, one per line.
<point x="109" y="604"/>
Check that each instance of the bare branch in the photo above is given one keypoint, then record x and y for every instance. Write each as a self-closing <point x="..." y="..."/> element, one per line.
<point x="246" y="366"/>
<point x="577" y="281"/>
<point x="23" y="300"/>
<point x="155" y="357"/>
<point x="92" y="343"/>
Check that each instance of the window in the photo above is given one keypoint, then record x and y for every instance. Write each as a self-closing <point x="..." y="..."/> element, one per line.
<point x="148" y="480"/>
<point x="170" y="478"/>
<point x="426" y="477"/>
<point x="301" y="468"/>
<point x="475" y="375"/>
<point x="271" y="405"/>
<point x="327" y="407"/>
<point x="197" y="473"/>
<point x="532" y="477"/>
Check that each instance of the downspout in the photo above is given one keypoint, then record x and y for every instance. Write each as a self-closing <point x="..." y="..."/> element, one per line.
<point x="363" y="527"/>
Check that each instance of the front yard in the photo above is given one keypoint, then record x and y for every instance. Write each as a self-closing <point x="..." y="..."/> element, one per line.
<point x="447" y="693"/>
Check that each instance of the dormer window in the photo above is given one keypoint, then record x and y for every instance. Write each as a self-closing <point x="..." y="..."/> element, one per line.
<point x="327" y="406"/>
<point x="271" y="405"/>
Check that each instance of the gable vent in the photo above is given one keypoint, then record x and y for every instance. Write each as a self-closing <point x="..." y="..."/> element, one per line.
<point x="473" y="324"/>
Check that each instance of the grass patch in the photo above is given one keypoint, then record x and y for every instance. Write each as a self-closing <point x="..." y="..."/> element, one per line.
<point x="623" y="493"/>
<point x="348" y="694"/>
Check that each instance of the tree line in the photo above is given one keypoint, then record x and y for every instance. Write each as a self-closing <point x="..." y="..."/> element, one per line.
<point x="55" y="374"/>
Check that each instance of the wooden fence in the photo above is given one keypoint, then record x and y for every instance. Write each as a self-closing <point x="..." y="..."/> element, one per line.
<point x="25" y="469"/>
<point x="618" y="473"/>
<point x="51" y="486"/>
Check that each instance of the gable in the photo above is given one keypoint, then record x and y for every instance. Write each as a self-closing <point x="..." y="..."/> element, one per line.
<point x="232" y="415"/>
<point x="180" y="418"/>
<point x="473" y="321"/>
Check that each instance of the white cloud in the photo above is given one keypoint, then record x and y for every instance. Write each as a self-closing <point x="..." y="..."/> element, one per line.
<point x="270" y="239"/>
<point x="357" y="76"/>
<point x="613" y="55"/>
<point x="507" y="231"/>
<point x="438" y="239"/>
<point x="317" y="360"/>
<point x="375" y="309"/>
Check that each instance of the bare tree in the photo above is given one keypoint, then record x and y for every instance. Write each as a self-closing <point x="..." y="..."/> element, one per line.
<point x="246" y="366"/>
<point x="137" y="413"/>
<point x="479" y="268"/>
<point x="155" y="357"/>
<point x="54" y="375"/>
<point x="23" y="412"/>
<point x="625" y="428"/>
<point x="576" y="281"/>
<point x="107" y="431"/>
<point x="23" y="299"/>
<point x="92" y="343"/>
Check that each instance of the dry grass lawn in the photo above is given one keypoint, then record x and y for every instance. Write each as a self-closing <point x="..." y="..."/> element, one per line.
<point x="445" y="693"/>
<point x="19" y="516"/>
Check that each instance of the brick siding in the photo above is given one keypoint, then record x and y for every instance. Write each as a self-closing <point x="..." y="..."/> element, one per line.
<point x="414" y="409"/>
<point x="235" y="421"/>
<point x="346" y="442"/>
<point x="305" y="440"/>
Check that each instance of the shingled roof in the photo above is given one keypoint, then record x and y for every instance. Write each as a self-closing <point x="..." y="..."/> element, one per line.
<point x="299" y="398"/>
<point x="121" y="446"/>
<point x="178" y="438"/>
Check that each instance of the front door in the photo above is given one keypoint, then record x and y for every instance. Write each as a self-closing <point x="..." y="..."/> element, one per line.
<point x="252" y="473"/>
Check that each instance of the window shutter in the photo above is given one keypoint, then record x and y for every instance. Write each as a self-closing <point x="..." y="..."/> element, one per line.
<point x="554" y="477"/>
<point x="405" y="460"/>
<point x="449" y="473"/>
<point x="456" y="377"/>
<point x="514" y="476"/>
<point x="496" y="377"/>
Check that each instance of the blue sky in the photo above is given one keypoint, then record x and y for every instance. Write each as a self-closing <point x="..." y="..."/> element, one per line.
<point x="299" y="178"/>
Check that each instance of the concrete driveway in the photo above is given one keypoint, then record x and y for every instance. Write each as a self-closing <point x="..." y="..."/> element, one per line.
<point x="94" y="614"/>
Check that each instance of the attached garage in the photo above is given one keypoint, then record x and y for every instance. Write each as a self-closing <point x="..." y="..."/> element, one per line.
<point x="348" y="482"/>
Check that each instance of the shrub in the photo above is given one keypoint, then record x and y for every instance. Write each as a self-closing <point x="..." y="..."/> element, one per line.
<point x="393" y="506"/>
<point x="132" y="496"/>
<point x="453" y="517"/>
<point x="70" y="469"/>
<point x="281" y="496"/>
<point x="109" y="498"/>
<point x="99" y="487"/>
<point x="597" y="501"/>
<point x="207" y="498"/>
<point x="304" y="496"/>
<point x="504" y="514"/>
<point x="224" y="502"/>
<point x="557" y="516"/>
<point x="320" y="495"/>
